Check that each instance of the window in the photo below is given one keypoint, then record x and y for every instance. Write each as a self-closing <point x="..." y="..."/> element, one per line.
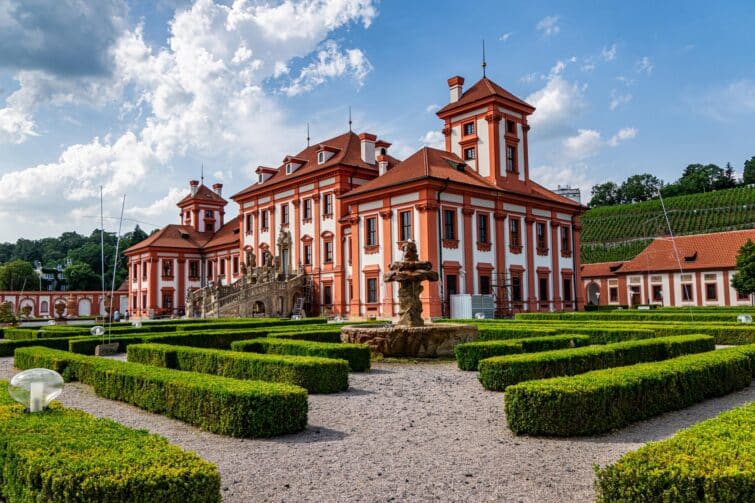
<point x="222" y="266"/>
<point x="43" y="306"/>
<point x="259" y="178"/>
<point x="687" y="292"/>
<point x="235" y="265"/>
<point x="711" y="291"/>
<point x="144" y="270"/>
<point x="515" y="239"/>
<point x="566" y="284"/>
<point x="542" y="240"/>
<point x="289" y="168"/>
<point x="543" y="288"/>
<point x="350" y="286"/>
<point x="372" y="294"/>
<point x="482" y="228"/>
<point x="511" y="127"/>
<point x="327" y="205"/>
<point x="511" y="158"/>
<point x="657" y="293"/>
<point x="144" y="301"/>
<point x="307" y="254"/>
<point x="327" y="295"/>
<point x="406" y="225"/>
<point x="284" y="214"/>
<point x="328" y="252"/>
<point x="516" y="288"/>
<point x="208" y="214"/>
<point x="265" y="218"/>
<point x="209" y="269"/>
<point x="168" y="300"/>
<point x="485" y="285"/>
<point x="167" y="268"/>
<point x="565" y="241"/>
<point x="449" y="224"/>
<point x="470" y="154"/>
<point x="133" y="302"/>
<point x="320" y="157"/>
<point x="193" y="269"/>
<point x="135" y="273"/>
<point x="613" y="294"/>
<point x="307" y="209"/>
<point x="469" y="128"/>
<point x="451" y="288"/>
<point x="742" y="296"/>
<point x="249" y="223"/>
<point x="370" y="236"/>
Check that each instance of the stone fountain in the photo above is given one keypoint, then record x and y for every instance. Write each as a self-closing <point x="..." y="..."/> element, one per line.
<point x="409" y="335"/>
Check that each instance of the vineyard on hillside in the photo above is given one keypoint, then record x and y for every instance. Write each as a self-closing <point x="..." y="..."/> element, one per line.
<point x="621" y="232"/>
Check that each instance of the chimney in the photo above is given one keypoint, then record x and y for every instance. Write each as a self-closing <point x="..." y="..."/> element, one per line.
<point x="382" y="161"/>
<point x="455" y="85"/>
<point x="218" y="188"/>
<point x="194" y="186"/>
<point x="368" y="147"/>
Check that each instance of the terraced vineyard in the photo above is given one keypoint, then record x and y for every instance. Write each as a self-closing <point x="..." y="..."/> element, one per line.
<point x="621" y="232"/>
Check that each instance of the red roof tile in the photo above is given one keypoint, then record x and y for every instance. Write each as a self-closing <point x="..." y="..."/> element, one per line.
<point x="699" y="251"/>
<point x="226" y="235"/>
<point x="484" y="88"/>
<point x="203" y="194"/>
<point x="184" y="236"/>
<point x="601" y="269"/>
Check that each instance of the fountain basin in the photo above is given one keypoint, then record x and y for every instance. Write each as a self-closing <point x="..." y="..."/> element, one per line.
<point x="431" y="340"/>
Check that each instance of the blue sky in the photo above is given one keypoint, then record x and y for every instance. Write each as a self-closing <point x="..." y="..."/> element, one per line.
<point x="136" y="95"/>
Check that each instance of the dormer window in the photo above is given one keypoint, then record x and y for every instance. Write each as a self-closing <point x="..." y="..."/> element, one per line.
<point x="320" y="157"/>
<point x="468" y="129"/>
<point x="259" y="178"/>
<point x="290" y="168"/>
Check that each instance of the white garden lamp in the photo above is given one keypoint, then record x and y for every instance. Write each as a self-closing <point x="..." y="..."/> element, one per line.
<point x="744" y="318"/>
<point x="35" y="388"/>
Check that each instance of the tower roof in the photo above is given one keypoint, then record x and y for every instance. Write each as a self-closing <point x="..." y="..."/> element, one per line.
<point x="484" y="89"/>
<point x="204" y="195"/>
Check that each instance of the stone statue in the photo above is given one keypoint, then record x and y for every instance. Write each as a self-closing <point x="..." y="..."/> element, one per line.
<point x="243" y="268"/>
<point x="252" y="259"/>
<point x="409" y="274"/>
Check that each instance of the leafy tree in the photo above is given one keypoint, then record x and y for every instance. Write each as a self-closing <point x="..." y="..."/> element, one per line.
<point x="18" y="275"/>
<point x="749" y="172"/>
<point x="729" y="180"/>
<point x="698" y="178"/>
<point x="80" y="276"/>
<point x="604" y="194"/>
<point x="639" y="188"/>
<point x="743" y="280"/>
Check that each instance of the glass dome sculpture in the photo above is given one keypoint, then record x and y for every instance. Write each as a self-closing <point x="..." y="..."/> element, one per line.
<point x="744" y="318"/>
<point x="97" y="330"/>
<point x="35" y="388"/>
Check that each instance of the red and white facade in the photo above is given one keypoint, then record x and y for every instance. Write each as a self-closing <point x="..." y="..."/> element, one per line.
<point x="42" y="303"/>
<point x="693" y="270"/>
<point x="340" y="210"/>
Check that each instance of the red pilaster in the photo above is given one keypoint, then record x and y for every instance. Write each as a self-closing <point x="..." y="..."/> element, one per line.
<point x="387" y="245"/>
<point x="469" y="270"/>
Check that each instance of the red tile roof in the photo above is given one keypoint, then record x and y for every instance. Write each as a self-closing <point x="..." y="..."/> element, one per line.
<point x="425" y="163"/>
<point x="484" y="88"/>
<point x="716" y="250"/>
<point x="184" y="236"/>
<point x="601" y="269"/>
<point x="226" y="235"/>
<point x="348" y="151"/>
<point x="204" y="194"/>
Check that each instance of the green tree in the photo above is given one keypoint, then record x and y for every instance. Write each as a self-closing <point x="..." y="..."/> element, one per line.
<point x="743" y="280"/>
<point x="604" y="194"/>
<point x="698" y="178"/>
<point x="18" y="275"/>
<point x="727" y="180"/>
<point x="639" y="188"/>
<point x="748" y="176"/>
<point x="80" y="276"/>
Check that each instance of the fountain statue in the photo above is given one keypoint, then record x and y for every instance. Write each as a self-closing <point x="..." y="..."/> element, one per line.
<point x="409" y="335"/>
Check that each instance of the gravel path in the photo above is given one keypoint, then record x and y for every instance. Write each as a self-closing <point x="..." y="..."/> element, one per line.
<point x="404" y="432"/>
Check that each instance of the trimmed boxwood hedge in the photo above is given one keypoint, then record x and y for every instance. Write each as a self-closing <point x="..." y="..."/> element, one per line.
<point x="492" y="332"/>
<point x="631" y="315"/>
<point x="358" y="355"/>
<point x="316" y="375"/>
<point x="64" y="455"/>
<point x="332" y="335"/>
<point x="711" y="461"/>
<point x="17" y="334"/>
<point x="469" y="354"/>
<point x="501" y="371"/>
<point x="233" y="407"/>
<point x="603" y="400"/>
<point x="7" y="348"/>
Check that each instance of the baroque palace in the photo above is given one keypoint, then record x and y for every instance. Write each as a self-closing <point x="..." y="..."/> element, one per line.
<point x="316" y="233"/>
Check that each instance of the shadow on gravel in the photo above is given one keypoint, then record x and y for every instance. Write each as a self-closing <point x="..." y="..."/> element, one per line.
<point x="378" y="371"/>
<point x="356" y="392"/>
<point x="311" y="435"/>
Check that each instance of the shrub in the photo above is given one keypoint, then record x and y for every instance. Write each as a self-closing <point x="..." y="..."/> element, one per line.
<point x="8" y="347"/>
<point x="499" y="372"/>
<point x="18" y="334"/>
<point x="358" y="355"/>
<point x="324" y="335"/>
<point x="64" y="455"/>
<point x="711" y="461"/>
<point x="597" y="402"/>
<point x="86" y="345"/>
<point x="221" y="405"/>
<point x="469" y="354"/>
<point x="600" y="335"/>
<point x="491" y="332"/>
<point x="316" y="375"/>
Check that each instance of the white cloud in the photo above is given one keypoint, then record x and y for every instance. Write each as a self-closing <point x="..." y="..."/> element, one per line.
<point x="433" y="139"/>
<point x="530" y="77"/>
<point x="585" y="144"/>
<point x="506" y="36"/>
<point x="432" y="108"/>
<point x="609" y="53"/>
<point x="575" y="176"/>
<point x="15" y="126"/>
<point x="160" y="207"/>
<point x="618" y="99"/>
<point x="728" y="102"/>
<point x="622" y="135"/>
<point x="331" y="63"/>
<point x="548" y="26"/>
<point x="556" y="106"/>
<point x="644" y="65"/>
<point x="201" y="95"/>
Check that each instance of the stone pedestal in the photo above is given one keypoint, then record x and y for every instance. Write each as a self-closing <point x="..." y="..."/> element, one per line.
<point x="425" y="341"/>
<point x="106" y="349"/>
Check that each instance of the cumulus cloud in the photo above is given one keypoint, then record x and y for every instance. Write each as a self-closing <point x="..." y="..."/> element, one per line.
<point x="330" y="62"/>
<point x="15" y="126"/>
<point x="201" y="95"/>
<point x="160" y="207"/>
<point x="556" y="105"/>
<point x="618" y="99"/>
<point x="548" y="26"/>
<point x="575" y="176"/>
<point x="584" y="144"/>
<point x="433" y="139"/>
<point x="622" y="135"/>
